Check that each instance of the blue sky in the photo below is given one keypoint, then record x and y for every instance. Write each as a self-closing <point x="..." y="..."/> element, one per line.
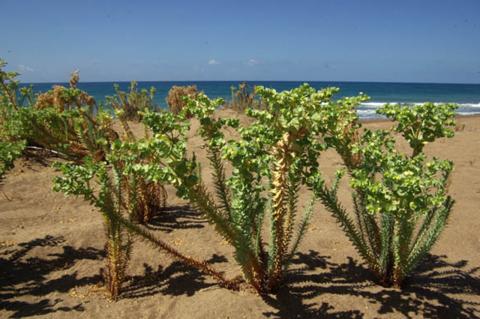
<point x="355" y="40"/>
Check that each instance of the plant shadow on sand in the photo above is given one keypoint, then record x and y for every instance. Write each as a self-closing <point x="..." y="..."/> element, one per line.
<point x="22" y="275"/>
<point x="175" y="280"/>
<point x="437" y="289"/>
<point x="25" y="276"/>
<point x="176" y="217"/>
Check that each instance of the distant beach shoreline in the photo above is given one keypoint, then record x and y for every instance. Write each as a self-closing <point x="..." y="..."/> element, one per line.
<point x="467" y="96"/>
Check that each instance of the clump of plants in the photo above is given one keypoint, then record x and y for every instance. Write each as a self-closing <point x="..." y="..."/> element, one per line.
<point x="401" y="201"/>
<point x="9" y="151"/>
<point x="11" y="146"/>
<point x="115" y="186"/>
<point x="422" y="123"/>
<point x="64" y="121"/>
<point x="63" y="99"/>
<point x="102" y="183"/>
<point x="176" y="97"/>
<point x="149" y="196"/>
<point x="130" y="105"/>
<point x="244" y="97"/>
<point x="267" y="163"/>
<point x="108" y="197"/>
<point x="144" y="197"/>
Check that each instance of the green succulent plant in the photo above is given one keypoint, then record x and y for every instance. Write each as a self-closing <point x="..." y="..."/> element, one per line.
<point x="267" y="161"/>
<point x="401" y="204"/>
<point x="421" y="123"/>
<point x="80" y="180"/>
<point x="109" y="186"/>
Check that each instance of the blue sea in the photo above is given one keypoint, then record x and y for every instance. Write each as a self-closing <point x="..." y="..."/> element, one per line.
<point x="466" y="95"/>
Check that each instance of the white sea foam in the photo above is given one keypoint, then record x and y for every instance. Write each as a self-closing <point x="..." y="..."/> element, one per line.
<point x="380" y="104"/>
<point x="368" y="109"/>
<point x="373" y="104"/>
<point x="360" y="111"/>
<point x="469" y="105"/>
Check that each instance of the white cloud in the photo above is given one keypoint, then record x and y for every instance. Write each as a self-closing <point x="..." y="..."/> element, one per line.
<point x="213" y="62"/>
<point x="253" y="62"/>
<point x="25" y="68"/>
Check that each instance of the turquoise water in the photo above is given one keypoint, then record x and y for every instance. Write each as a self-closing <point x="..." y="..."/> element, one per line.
<point x="466" y="95"/>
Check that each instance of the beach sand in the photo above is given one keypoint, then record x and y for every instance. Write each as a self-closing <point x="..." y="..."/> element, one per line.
<point x="51" y="251"/>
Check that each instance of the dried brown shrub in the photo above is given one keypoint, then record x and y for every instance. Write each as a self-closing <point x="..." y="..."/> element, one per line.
<point x="150" y="198"/>
<point x="64" y="120"/>
<point x="62" y="98"/>
<point x="175" y="98"/>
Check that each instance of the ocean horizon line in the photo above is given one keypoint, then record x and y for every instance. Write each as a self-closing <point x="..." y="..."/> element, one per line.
<point x="467" y="96"/>
<point x="252" y="81"/>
